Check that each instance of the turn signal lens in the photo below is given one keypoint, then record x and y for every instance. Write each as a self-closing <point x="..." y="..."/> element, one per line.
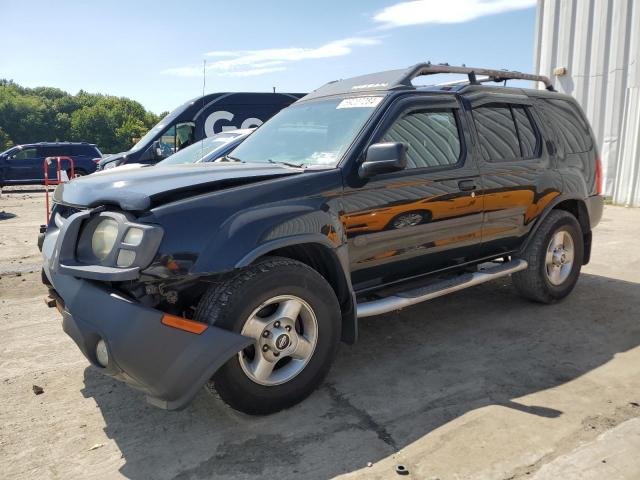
<point x="183" y="324"/>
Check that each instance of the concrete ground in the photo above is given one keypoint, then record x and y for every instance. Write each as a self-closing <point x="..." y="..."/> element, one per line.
<point x="477" y="385"/>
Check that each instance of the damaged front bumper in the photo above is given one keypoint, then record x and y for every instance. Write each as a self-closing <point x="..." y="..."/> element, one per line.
<point x="168" y="364"/>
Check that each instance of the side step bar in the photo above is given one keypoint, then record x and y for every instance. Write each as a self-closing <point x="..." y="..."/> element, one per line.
<point x="401" y="300"/>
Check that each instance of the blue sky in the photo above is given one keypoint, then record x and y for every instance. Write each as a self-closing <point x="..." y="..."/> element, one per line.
<point x="152" y="51"/>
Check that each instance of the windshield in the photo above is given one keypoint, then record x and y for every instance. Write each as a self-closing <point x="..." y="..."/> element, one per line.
<point x="198" y="150"/>
<point x="316" y="133"/>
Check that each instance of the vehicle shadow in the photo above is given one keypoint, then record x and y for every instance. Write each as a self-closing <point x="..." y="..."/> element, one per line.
<point x="409" y="374"/>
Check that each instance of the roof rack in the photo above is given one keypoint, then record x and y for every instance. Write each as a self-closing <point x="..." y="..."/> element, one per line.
<point x="472" y="72"/>
<point x="401" y="79"/>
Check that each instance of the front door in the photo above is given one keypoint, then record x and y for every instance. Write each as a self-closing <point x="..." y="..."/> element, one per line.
<point x="25" y="164"/>
<point x="426" y="217"/>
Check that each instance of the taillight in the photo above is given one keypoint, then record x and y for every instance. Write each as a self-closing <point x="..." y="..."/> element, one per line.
<point x="96" y="160"/>
<point x="598" y="176"/>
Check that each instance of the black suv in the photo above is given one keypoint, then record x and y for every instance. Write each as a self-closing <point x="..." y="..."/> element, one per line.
<point x="24" y="164"/>
<point x="364" y="197"/>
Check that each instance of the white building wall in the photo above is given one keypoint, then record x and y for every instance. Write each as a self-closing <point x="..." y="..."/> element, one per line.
<point x="598" y="42"/>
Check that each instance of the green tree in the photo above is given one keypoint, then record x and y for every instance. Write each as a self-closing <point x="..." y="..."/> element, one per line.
<point x="5" y="141"/>
<point x="49" y="114"/>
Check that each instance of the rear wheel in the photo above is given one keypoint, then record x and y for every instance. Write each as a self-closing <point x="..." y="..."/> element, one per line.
<point x="293" y="317"/>
<point x="555" y="258"/>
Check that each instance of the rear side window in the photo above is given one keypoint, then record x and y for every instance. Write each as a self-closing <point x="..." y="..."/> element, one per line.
<point x="432" y="137"/>
<point x="85" y="150"/>
<point x="571" y="127"/>
<point x="506" y="132"/>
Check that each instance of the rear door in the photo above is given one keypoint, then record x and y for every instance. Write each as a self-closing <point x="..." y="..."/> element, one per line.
<point x="426" y="217"/>
<point x="83" y="158"/>
<point x="517" y="173"/>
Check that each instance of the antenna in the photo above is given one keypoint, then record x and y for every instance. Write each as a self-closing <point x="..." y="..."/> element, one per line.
<point x="274" y="89"/>
<point x="204" y="84"/>
<point x="204" y="75"/>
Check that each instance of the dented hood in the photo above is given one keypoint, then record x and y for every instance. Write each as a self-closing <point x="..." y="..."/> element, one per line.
<point x="140" y="189"/>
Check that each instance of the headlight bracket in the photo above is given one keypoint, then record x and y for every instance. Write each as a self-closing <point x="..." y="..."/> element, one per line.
<point x="76" y="257"/>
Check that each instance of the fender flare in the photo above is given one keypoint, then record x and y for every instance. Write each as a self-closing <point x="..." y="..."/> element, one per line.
<point x="552" y="205"/>
<point x="271" y="245"/>
<point x="349" y="317"/>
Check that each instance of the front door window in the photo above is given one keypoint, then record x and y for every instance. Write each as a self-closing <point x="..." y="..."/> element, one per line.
<point x="24" y="154"/>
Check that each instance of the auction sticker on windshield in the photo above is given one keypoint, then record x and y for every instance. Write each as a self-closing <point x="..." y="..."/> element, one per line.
<point x="359" y="102"/>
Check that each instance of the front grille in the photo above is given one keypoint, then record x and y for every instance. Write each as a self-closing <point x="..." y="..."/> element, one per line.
<point x="61" y="212"/>
<point x="65" y="211"/>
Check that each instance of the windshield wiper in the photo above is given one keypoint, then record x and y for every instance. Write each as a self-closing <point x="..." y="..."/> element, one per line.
<point x="229" y="158"/>
<point x="288" y="164"/>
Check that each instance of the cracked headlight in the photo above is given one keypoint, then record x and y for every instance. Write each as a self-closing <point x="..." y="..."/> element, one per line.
<point x="104" y="238"/>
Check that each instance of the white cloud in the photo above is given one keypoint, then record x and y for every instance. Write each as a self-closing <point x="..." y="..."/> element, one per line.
<point x="244" y="63"/>
<point x="445" y="11"/>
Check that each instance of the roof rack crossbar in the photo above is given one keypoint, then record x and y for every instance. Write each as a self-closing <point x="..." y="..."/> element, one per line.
<point x="494" y="75"/>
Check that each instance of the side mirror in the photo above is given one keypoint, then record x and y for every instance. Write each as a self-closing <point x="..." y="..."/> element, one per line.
<point x="384" y="158"/>
<point x="155" y="148"/>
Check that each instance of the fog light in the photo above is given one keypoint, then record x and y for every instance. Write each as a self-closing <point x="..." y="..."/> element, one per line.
<point x="102" y="355"/>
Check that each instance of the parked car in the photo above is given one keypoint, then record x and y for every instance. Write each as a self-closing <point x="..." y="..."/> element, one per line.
<point x="201" y="118"/>
<point x="364" y="197"/>
<point x="24" y="164"/>
<point x="209" y="149"/>
<point x="206" y="150"/>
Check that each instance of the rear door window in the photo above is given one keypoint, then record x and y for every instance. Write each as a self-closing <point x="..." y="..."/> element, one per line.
<point x="497" y="132"/>
<point x="526" y="131"/>
<point x="55" y="151"/>
<point x="506" y="132"/>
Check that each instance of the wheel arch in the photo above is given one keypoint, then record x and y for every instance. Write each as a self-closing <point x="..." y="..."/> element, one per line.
<point x="318" y="253"/>
<point x="577" y="207"/>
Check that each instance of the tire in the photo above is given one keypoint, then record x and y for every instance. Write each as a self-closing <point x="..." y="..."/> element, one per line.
<point x="236" y="305"/>
<point x="549" y="277"/>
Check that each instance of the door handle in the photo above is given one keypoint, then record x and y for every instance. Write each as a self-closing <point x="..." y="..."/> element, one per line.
<point x="466" y="185"/>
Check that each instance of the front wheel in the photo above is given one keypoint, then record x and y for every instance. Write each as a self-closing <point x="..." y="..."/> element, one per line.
<point x="292" y="315"/>
<point x="555" y="257"/>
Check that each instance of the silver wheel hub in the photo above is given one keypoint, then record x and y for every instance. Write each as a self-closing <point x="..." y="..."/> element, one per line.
<point x="559" y="258"/>
<point x="285" y="333"/>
